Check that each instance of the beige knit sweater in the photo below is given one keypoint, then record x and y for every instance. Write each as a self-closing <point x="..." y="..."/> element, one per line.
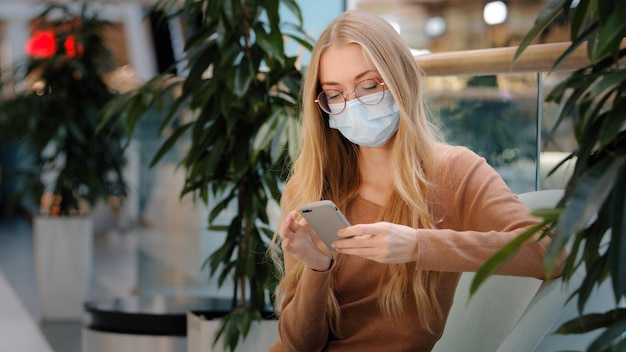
<point x="478" y="215"/>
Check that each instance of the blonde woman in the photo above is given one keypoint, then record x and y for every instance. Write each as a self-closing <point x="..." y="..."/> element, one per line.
<point x="422" y="211"/>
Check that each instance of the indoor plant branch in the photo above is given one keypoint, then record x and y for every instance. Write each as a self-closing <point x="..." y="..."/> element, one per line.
<point x="241" y="87"/>
<point x="590" y="219"/>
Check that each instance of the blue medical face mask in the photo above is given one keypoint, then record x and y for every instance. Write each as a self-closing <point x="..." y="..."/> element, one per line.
<point x="367" y="125"/>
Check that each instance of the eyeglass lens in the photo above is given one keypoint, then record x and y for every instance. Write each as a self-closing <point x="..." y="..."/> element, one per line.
<point x="333" y="101"/>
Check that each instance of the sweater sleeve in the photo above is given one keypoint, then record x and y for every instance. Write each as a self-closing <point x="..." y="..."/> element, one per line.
<point x="303" y="325"/>
<point x="478" y="214"/>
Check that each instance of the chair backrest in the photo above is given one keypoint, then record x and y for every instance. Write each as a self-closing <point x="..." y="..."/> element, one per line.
<point x="483" y="322"/>
<point x="550" y="308"/>
<point x="541" y="199"/>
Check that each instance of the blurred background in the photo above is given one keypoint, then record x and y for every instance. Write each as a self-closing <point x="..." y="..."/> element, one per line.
<point x="155" y="242"/>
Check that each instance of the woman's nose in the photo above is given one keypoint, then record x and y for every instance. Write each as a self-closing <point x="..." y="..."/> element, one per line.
<point x="347" y="95"/>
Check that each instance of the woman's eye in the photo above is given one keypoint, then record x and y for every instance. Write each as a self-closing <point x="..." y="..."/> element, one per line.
<point x="369" y="85"/>
<point x="333" y="96"/>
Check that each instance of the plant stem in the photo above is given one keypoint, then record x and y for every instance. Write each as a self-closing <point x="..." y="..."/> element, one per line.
<point x="240" y="278"/>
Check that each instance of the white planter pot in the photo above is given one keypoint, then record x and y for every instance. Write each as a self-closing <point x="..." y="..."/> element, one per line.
<point x="99" y="341"/>
<point x="201" y="334"/>
<point x="63" y="249"/>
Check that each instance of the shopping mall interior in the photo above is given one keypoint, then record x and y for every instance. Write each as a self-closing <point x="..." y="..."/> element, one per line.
<point x="156" y="242"/>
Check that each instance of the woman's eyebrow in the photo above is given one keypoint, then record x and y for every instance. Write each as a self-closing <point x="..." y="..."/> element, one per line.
<point x="359" y="76"/>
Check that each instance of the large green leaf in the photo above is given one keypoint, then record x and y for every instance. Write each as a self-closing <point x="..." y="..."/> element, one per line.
<point x="595" y="275"/>
<point x="617" y="250"/>
<point x="560" y="90"/>
<point x="545" y="18"/>
<point x="583" y="39"/>
<point x="279" y="140"/>
<point x="585" y="200"/>
<point x="266" y="132"/>
<point x="273" y="16"/>
<point x="611" y="33"/>
<point x="593" y="321"/>
<point x="608" y="81"/>
<point x="613" y="124"/>
<point x="236" y="323"/>
<point x="243" y="77"/>
<point x="272" y="42"/>
<point x="169" y="143"/>
<point x="503" y="255"/>
<point x="581" y="15"/>
<point x="612" y="335"/>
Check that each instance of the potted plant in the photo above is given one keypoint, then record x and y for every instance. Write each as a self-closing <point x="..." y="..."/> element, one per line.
<point x="591" y="215"/>
<point x="71" y="160"/>
<point x="236" y="110"/>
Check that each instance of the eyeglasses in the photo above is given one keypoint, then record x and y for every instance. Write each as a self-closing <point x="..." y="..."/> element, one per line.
<point x="369" y="92"/>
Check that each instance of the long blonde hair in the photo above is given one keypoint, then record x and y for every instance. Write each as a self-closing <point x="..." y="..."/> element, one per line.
<point x="327" y="165"/>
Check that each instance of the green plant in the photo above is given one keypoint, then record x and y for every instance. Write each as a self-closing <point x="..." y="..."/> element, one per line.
<point x="57" y="115"/>
<point x="239" y="96"/>
<point x="591" y="216"/>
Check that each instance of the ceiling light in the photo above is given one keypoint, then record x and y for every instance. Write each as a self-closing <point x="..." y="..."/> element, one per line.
<point x="495" y="12"/>
<point x="435" y="26"/>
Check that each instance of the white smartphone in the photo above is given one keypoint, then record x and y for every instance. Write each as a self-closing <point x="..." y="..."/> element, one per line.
<point x="325" y="219"/>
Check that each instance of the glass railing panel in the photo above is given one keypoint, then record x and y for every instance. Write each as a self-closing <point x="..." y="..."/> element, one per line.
<point x="495" y="116"/>
<point x="484" y="86"/>
<point x="556" y="144"/>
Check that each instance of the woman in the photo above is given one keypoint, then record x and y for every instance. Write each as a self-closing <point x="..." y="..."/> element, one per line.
<point x="422" y="211"/>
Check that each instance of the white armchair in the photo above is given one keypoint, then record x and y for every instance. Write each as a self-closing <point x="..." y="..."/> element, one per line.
<point x="519" y="314"/>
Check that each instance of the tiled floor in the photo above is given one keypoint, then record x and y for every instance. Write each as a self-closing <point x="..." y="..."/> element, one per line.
<point x="16" y="262"/>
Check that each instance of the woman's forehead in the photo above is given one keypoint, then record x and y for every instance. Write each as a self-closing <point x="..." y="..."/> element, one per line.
<point x="343" y="64"/>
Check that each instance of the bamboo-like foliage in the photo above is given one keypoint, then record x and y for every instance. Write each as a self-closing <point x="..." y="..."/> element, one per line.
<point x="241" y="89"/>
<point x="590" y="219"/>
<point x="57" y="118"/>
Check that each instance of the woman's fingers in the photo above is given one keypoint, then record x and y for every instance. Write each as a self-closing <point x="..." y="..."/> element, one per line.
<point x="289" y="226"/>
<point x="382" y="242"/>
<point x="299" y="240"/>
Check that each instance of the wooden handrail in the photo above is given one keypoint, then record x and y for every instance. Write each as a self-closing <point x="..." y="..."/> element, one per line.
<point x="535" y="58"/>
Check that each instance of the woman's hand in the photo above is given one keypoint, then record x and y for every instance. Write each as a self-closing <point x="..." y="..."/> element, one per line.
<point x="382" y="242"/>
<point x="300" y="241"/>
